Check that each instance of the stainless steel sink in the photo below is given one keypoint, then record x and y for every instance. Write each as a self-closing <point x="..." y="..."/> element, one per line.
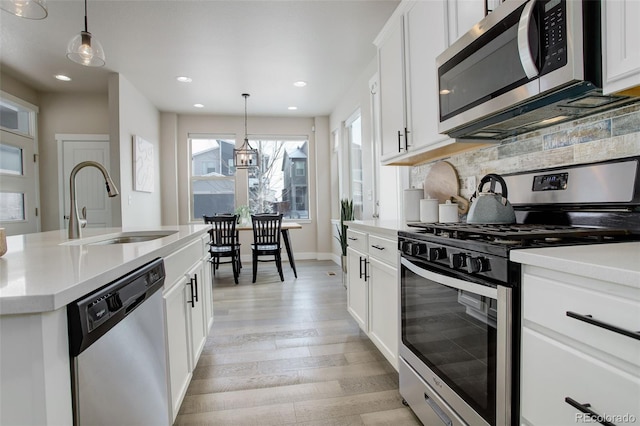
<point x="121" y="238"/>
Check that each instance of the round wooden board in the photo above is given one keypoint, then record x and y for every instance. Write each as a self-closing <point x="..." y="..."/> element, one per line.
<point x="442" y="183"/>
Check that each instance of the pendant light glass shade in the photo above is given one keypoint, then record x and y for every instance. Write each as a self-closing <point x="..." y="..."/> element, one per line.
<point x="245" y="157"/>
<point x="30" y="9"/>
<point x="84" y="49"/>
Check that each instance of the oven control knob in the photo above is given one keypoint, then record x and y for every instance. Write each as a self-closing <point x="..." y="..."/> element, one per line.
<point x="477" y="264"/>
<point x="418" y="248"/>
<point x="437" y="253"/>
<point x="457" y="260"/>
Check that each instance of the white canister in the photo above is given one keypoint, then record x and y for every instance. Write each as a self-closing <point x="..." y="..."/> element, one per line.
<point x="429" y="210"/>
<point x="448" y="212"/>
<point x="412" y="199"/>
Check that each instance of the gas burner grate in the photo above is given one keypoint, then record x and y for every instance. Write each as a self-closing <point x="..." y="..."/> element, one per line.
<point x="511" y="234"/>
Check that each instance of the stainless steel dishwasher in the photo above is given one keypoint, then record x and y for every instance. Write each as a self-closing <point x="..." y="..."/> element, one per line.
<point x="118" y="355"/>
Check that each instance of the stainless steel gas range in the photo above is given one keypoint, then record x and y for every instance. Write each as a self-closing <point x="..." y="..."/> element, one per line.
<point x="460" y="293"/>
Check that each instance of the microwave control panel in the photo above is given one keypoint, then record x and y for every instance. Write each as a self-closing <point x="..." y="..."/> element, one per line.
<point x="553" y="35"/>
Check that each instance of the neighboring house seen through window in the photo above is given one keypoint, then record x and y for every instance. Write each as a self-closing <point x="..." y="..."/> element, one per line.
<point x="279" y="184"/>
<point x="212" y="180"/>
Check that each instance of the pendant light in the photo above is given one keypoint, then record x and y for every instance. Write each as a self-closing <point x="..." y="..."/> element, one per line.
<point x="30" y="9"/>
<point x="245" y="157"/>
<point x="84" y="49"/>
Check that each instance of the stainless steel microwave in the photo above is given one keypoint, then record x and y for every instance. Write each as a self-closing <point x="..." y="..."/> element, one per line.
<point x="527" y="65"/>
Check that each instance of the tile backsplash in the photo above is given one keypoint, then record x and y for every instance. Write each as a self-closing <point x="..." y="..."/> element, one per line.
<point x="613" y="134"/>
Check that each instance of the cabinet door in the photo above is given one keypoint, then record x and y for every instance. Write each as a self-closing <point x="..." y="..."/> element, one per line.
<point x="383" y="309"/>
<point x="463" y="15"/>
<point x="552" y="372"/>
<point x="357" y="291"/>
<point x="392" y="91"/>
<point x="621" y="45"/>
<point x="425" y="39"/>
<point x="175" y="304"/>
<point x="196" y="309"/>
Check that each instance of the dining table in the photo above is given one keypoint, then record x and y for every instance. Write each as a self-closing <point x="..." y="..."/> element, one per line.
<point x="286" y="226"/>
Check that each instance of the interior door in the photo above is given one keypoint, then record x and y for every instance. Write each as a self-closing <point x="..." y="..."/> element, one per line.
<point x="90" y="185"/>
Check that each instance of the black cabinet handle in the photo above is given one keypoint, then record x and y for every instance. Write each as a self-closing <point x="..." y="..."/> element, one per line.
<point x="406" y="141"/>
<point x="361" y="259"/>
<point x="195" y="280"/>
<point x="590" y="320"/>
<point x="584" y="408"/>
<point x="366" y="269"/>
<point x="377" y="247"/>
<point x="192" y="301"/>
<point x="352" y="238"/>
<point x="399" y="141"/>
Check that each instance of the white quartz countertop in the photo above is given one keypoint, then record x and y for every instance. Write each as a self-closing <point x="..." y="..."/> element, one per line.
<point x="382" y="227"/>
<point x="617" y="263"/>
<point x="41" y="273"/>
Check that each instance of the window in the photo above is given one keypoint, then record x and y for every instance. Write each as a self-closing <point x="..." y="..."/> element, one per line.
<point x="212" y="179"/>
<point x="279" y="184"/>
<point x="354" y="133"/>
<point x="11" y="206"/>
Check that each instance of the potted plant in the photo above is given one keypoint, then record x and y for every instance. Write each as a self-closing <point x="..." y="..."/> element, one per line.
<point x="346" y="214"/>
<point x="244" y="215"/>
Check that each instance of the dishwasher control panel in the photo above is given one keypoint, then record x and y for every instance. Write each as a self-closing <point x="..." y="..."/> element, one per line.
<point x="93" y="315"/>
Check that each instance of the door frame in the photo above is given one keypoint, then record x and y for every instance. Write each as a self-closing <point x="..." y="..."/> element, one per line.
<point x="60" y="139"/>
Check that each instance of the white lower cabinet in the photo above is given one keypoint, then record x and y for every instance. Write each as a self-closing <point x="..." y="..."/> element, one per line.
<point x="383" y="306"/>
<point x="188" y="313"/>
<point x="357" y="289"/>
<point x="175" y="303"/>
<point x="577" y="355"/>
<point x="372" y="290"/>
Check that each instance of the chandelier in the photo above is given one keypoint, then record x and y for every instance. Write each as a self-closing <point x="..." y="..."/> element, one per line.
<point x="245" y="157"/>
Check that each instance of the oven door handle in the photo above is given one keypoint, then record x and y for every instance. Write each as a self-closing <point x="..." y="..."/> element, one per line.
<point x="450" y="281"/>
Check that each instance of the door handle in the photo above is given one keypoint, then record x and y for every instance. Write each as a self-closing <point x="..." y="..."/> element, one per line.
<point x="192" y="301"/>
<point x="590" y="320"/>
<point x="436" y="409"/>
<point x="195" y="280"/>
<point x="524" y="47"/>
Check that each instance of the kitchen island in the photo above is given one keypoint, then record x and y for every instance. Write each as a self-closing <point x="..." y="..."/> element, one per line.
<point x="43" y="272"/>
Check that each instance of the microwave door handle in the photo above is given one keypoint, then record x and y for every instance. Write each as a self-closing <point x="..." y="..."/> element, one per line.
<point x="524" y="48"/>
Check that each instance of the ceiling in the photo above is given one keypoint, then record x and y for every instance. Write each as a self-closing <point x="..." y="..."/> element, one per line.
<point x="226" y="47"/>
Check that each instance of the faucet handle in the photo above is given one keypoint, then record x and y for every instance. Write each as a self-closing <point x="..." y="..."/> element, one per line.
<point x="83" y="217"/>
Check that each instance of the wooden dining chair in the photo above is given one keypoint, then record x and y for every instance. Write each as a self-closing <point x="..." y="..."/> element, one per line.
<point x="266" y="241"/>
<point x="224" y="242"/>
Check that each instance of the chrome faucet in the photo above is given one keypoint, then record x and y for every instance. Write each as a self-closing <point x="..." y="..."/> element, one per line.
<point x="75" y="223"/>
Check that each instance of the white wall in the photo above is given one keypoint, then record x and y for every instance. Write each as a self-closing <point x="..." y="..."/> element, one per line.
<point x="359" y="96"/>
<point x="64" y="113"/>
<point x="132" y="114"/>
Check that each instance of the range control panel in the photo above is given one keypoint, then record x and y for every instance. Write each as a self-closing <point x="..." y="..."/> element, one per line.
<point x="552" y="182"/>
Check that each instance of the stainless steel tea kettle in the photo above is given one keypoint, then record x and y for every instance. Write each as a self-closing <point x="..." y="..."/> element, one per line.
<point x="490" y="206"/>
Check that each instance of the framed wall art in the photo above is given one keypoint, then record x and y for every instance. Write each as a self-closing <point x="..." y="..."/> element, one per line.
<point x="143" y="165"/>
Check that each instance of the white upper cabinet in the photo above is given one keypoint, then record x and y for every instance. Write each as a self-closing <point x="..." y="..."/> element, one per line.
<point x="407" y="49"/>
<point x="463" y="15"/>
<point x="621" y="45"/>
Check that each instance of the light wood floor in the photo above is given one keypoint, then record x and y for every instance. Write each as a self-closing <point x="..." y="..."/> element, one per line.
<point x="290" y="354"/>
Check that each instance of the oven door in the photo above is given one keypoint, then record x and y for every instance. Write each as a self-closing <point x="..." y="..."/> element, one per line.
<point x="456" y="334"/>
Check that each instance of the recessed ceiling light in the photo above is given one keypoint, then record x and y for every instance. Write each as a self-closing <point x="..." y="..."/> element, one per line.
<point x="300" y="83"/>
<point x="184" y="79"/>
<point x="198" y="105"/>
<point x="63" y="77"/>
<point x="292" y="108"/>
